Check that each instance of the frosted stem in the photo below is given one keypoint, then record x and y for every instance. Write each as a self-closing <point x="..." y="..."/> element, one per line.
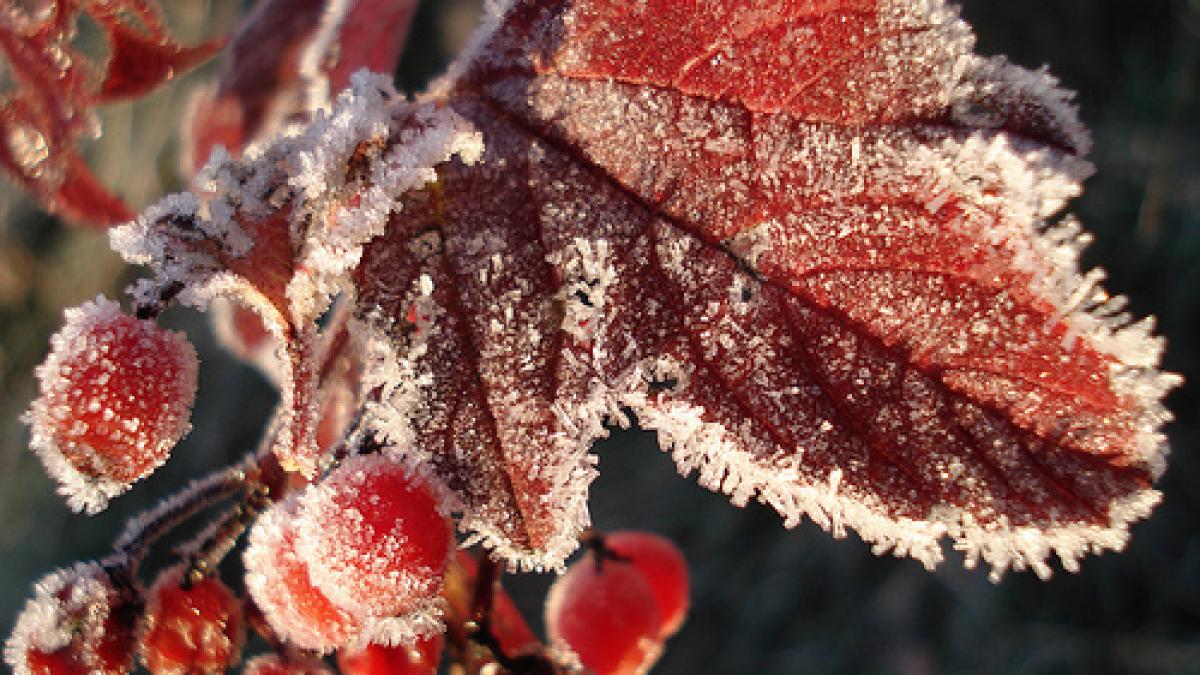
<point x="142" y="531"/>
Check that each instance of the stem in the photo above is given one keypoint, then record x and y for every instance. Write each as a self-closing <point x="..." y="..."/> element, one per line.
<point x="206" y="555"/>
<point x="479" y="626"/>
<point x="148" y="527"/>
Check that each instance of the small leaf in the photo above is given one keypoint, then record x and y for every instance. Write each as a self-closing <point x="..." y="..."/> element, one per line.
<point x="140" y="63"/>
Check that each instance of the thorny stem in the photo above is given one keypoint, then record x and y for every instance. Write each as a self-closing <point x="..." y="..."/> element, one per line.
<point x="206" y="555"/>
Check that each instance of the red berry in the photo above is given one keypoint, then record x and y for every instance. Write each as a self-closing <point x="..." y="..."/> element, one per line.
<point x="374" y="539"/>
<point x="61" y="662"/>
<point x="278" y="580"/>
<point x="115" y="393"/>
<point x="76" y="623"/>
<point x="606" y="615"/>
<point x="190" y="630"/>
<point x="273" y="664"/>
<point x="419" y="659"/>
<point x="662" y="563"/>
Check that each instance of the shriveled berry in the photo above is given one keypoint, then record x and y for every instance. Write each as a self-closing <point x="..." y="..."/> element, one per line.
<point x="273" y="664"/>
<point x="114" y="397"/>
<point x="662" y="563"/>
<point x="191" y="628"/>
<point x="278" y="581"/>
<point x="606" y="615"/>
<point x="76" y="623"/>
<point x="419" y="659"/>
<point x="374" y="539"/>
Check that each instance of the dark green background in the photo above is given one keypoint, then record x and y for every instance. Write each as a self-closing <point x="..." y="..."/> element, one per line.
<point x="766" y="600"/>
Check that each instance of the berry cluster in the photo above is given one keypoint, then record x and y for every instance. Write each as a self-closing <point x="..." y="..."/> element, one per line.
<point x="356" y="561"/>
<point x="615" y="607"/>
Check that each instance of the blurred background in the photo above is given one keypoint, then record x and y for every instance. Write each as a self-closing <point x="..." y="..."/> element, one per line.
<point x="766" y="600"/>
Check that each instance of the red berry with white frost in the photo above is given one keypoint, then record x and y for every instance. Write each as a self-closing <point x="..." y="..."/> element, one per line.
<point x="419" y="659"/>
<point x="663" y="565"/>
<point x="605" y="615"/>
<point x="115" y="394"/>
<point x="278" y="580"/>
<point x="374" y="538"/>
<point x="191" y="627"/>
<point x="77" y="623"/>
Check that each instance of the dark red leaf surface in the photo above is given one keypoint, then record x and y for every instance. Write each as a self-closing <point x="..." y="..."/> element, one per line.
<point x="811" y="243"/>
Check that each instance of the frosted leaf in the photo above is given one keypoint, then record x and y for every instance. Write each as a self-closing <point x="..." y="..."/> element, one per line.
<point x="281" y="229"/>
<point x="288" y="221"/>
<point x="73" y="621"/>
<point x="376" y="545"/>
<point x="115" y="396"/>
<point x="811" y="244"/>
<point x="278" y="580"/>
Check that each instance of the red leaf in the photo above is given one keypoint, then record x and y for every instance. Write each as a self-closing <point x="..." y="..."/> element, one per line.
<point x="81" y="197"/>
<point x="371" y="34"/>
<point x="140" y="63"/>
<point x="808" y="242"/>
<point x="286" y="59"/>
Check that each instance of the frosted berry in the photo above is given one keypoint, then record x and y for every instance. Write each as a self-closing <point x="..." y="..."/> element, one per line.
<point x="606" y="615"/>
<point x="114" y="397"/>
<point x="278" y="581"/>
<point x="273" y="664"/>
<point x="374" y="538"/>
<point x="662" y="563"/>
<point x="419" y="659"/>
<point x="77" y="623"/>
<point x="195" y="628"/>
